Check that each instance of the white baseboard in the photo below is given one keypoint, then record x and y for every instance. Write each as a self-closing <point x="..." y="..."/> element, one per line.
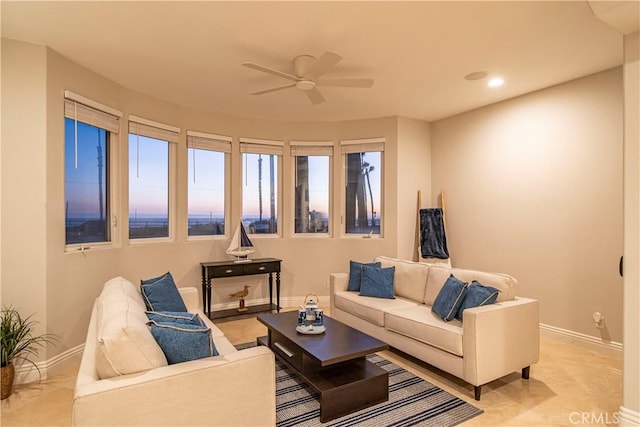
<point x="628" y="417"/>
<point x="26" y="373"/>
<point x="588" y="342"/>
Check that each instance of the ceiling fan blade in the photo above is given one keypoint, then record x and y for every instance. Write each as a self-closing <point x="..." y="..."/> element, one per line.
<point x="315" y="96"/>
<point x="270" y="71"/>
<point x="345" y="82"/>
<point x="322" y="65"/>
<point x="273" y="89"/>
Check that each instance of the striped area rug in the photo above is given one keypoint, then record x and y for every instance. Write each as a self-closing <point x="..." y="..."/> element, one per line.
<point x="412" y="402"/>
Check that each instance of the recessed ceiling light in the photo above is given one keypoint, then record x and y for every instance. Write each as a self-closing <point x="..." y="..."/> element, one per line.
<point x="495" y="82"/>
<point x="478" y="75"/>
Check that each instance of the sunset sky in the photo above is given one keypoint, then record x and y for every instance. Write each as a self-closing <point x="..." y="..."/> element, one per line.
<point x="149" y="173"/>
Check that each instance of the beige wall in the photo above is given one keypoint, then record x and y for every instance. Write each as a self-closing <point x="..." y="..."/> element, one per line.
<point x="414" y="174"/>
<point x="24" y="171"/>
<point x="534" y="189"/>
<point x="38" y="274"/>
<point x="631" y="388"/>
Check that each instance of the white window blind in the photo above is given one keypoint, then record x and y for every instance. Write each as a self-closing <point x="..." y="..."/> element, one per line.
<point x="362" y="145"/>
<point x="261" y="146"/>
<point x="84" y="110"/>
<point x="311" y="148"/>
<point x="151" y="129"/>
<point x="207" y="141"/>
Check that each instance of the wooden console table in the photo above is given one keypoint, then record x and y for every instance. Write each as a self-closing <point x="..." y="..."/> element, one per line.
<point x="220" y="269"/>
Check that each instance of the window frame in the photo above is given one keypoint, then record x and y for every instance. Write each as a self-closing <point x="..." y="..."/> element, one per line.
<point x="171" y="135"/>
<point x="107" y="118"/>
<point x="216" y="139"/>
<point x="266" y="147"/>
<point x="367" y="145"/>
<point x="312" y="145"/>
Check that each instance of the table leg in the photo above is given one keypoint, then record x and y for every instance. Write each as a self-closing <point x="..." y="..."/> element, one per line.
<point x="278" y="290"/>
<point x="209" y="298"/>
<point x="204" y="290"/>
<point x="270" y="290"/>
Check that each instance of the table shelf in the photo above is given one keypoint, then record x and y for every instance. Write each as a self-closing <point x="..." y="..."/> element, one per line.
<point x="235" y="314"/>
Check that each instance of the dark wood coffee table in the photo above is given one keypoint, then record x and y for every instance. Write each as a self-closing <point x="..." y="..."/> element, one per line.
<point x="333" y="363"/>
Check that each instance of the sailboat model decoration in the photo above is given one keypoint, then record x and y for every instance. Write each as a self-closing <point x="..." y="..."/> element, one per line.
<point x="241" y="245"/>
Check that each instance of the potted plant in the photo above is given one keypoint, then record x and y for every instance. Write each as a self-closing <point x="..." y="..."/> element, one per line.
<point x="18" y="343"/>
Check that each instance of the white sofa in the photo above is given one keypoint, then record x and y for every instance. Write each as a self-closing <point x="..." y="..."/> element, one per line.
<point x="235" y="388"/>
<point x="491" y="341"/>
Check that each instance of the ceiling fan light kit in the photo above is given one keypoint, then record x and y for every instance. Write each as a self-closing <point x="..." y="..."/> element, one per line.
<point x="307" y="71"/>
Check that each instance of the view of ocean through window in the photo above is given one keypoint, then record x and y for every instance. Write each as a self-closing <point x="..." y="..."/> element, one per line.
<point x="86" y="174"/>
<point x="148" y="187"/>
<point x="260" y="193"/>
<point x="362" y="202"/>
<point x="206" y="192"/>
<point x="312" y="194"/>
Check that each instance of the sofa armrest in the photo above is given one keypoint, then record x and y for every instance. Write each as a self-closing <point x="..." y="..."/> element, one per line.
<point x="338" y="282"/>
<point x="499" y="339"/>
<point x="191" y="298"/>
<point x="238" y="389"/>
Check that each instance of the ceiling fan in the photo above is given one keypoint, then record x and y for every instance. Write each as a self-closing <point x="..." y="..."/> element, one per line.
<point x="308" y="71"/>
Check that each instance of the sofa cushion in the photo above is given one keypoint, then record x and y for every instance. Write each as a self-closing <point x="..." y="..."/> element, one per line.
<point x="449" y="299"/>
<point x="377" y="282"/>
<point x="368" y="308"/>
<point x="420" y="323"/>
<point x="355" y="274"/>
<point x="477" y="295"/>
<point x="161" y="294"/>
<point x="115" y="289"/>
<point x="438" y="276"/>
<point x="125" y="344"/>
<point x="410" y="278"/>
<point x="183" y="342"/>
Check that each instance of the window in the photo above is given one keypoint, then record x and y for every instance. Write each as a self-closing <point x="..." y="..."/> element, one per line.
<point x="260" y="160"/>
<point x="86" y="171"/>
<point x="363" y="171"/>
<point x="207" y="183"/>
<point x="149" y="172"/>
<point x="312" y="163"/>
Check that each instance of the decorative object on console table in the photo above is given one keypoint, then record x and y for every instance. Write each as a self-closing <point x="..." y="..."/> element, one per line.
<point x="240" y="246"/>
<point x="241" y="294"/>
<point x="222" y="269"/>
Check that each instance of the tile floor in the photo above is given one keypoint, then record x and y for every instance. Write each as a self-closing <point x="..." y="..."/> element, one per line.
<point x="567" y="382"/>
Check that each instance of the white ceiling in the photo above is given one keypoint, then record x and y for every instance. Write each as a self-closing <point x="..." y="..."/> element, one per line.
<point x="189" y="53"/>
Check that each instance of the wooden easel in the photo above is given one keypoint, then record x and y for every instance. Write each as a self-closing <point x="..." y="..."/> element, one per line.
<point x="442" y="205"/>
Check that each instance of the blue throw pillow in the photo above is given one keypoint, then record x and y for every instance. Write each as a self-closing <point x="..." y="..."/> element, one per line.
<point x="377" y="282"/>
<point x="175" y="317"/>
<point x="161" y="294"/>
<point x="449" y="298"/>
<point x="477" y="295"/>
<point x="355" y="274"/>
<point x="181" y="343"/>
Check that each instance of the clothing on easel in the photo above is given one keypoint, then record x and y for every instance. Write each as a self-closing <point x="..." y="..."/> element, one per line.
<point x="433" y="239"/>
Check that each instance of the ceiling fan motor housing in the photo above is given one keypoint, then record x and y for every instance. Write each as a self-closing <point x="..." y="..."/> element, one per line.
<point x="302" y="64"/>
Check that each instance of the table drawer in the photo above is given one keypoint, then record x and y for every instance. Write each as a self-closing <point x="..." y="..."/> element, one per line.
<point x="243" y="269"/>
<point x="263" y="267"/>
<point x="286" y="350"/>
<point x="227" y="270"/>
